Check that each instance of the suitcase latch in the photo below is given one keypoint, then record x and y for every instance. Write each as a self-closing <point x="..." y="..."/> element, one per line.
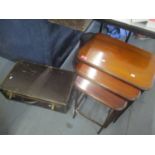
<point x="52" y="106"/>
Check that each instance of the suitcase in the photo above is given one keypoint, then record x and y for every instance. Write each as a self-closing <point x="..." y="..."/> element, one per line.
<point x="40" y="85"/>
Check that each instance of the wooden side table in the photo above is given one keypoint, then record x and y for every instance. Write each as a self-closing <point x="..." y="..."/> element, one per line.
<point x="126" y="62"/>
<point x="105" y="97"/>
<point x="107" y="81"/>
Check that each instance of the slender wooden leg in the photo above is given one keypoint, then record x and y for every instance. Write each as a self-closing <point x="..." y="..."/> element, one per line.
<point x="76" y="103"/>
<point x="128" y="37"/>
<point x="101" y="28"/>
<point x="111" y="115"/>
<point x="119" y="113"/>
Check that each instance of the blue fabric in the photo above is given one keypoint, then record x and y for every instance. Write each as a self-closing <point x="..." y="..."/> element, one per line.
<point x="115" y="32"/>
<point x="36" y="40"/>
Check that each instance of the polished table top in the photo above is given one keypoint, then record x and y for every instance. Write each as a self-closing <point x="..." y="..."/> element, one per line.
<point x="100" y="94"/>
<point x="126" y="62"/>
<point x="107" y="81"/>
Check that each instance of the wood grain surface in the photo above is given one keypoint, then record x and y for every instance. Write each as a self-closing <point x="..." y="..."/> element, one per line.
<point x="100" y="94"/>
<point x="107" y="81"/>
<point x="126" y="62"/>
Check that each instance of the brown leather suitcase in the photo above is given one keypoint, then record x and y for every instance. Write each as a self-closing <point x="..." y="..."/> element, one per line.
<point x="40" y="85"/>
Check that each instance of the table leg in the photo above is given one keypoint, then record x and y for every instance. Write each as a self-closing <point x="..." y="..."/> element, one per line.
<point x="128" y="37"/>
<point x="77" y="101"/>
<point x="101" y="27"/>
<point x="111" y="115"/>
<point x="121" y="112"/>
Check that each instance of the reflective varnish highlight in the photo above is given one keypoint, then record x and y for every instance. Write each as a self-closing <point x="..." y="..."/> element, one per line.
<point x="126" y="62"/>
<point x="107" y="81"/>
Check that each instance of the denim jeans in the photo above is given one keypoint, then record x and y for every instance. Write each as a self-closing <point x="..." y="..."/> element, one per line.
<point x="36" y="40"/>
